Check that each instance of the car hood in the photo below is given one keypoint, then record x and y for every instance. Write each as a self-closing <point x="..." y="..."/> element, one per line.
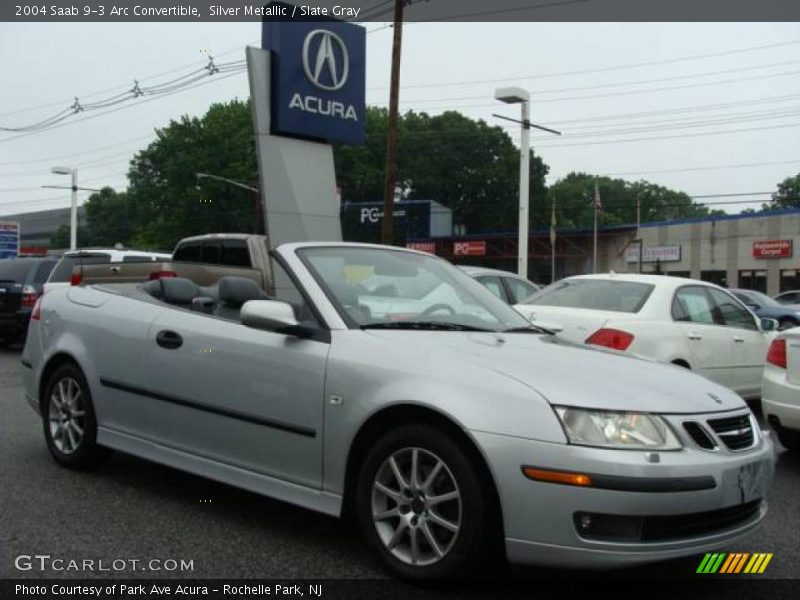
<point x="568" y="374"/>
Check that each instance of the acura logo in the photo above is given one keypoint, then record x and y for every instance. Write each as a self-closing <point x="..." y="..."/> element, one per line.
<point x="325" y="60"/>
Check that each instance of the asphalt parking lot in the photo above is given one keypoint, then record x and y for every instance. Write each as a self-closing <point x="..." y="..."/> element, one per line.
<point x="134" y="509"/>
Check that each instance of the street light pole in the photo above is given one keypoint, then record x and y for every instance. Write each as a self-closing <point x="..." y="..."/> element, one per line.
<point x="73" y="215"/>
<point x="515" y="95"/>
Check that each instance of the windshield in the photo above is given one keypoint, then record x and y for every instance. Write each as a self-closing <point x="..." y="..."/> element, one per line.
<point x="375" y="287"/>
<point x="594" y="294"/>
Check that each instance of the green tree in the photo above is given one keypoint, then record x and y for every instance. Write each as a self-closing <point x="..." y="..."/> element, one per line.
<point x="788" y="194"/>
<point x="574" y="196"/>
<point x="467" y="165"/>
<point x="164" y="201"/>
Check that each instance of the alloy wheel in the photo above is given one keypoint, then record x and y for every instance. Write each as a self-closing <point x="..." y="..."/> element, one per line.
<point x="416" y="506"/>
<point x="67" y="415"/>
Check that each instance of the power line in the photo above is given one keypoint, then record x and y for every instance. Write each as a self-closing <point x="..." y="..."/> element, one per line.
<point x="599" y="69"/>
<point x="626" y="83"/>
<point x="120" y="86"/>
<point x="707" y="168"/>
<point x="107" y="112"/>
<point x="623" y="93"/>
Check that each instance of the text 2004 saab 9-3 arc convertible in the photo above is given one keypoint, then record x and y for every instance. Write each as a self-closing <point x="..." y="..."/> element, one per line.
<point x="445" y="421"/>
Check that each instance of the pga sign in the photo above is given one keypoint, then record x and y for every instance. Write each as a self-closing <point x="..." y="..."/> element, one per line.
<point x="318" y="79"/>
<point x="472" y="248"/>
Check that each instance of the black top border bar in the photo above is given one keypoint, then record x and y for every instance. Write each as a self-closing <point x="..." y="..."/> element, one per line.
<point x="381" y="11"/>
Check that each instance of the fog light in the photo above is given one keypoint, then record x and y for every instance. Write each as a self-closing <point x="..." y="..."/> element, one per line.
<point x="585" y="521"/>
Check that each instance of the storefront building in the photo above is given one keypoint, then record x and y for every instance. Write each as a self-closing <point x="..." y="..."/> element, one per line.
<point x="759" y="251"/>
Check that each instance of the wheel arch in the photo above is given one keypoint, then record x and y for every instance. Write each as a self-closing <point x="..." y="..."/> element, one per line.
<point x="54" y="362"/>
<point x="405" y="413"/>
<point x="680" y="362"/>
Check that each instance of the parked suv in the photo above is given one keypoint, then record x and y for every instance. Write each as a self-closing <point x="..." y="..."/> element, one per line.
<point x="21" y="282"/>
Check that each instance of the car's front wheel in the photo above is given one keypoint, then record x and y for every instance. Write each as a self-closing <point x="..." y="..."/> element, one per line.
<point x="68" y="417"/>
<point x="422" y="504"/>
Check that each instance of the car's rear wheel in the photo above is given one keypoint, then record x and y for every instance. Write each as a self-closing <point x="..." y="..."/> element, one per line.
<point x="68" y="417"/>
<point x="422" y="504"/>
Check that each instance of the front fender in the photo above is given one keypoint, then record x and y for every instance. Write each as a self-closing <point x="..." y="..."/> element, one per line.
<point x="360" y="384"/>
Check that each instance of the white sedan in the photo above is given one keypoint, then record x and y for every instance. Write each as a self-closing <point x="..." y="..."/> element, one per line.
<point x="781" y="398"/>
<point x="686" y="322"/>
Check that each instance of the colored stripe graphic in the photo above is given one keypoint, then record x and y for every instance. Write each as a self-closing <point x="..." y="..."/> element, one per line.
<point x="711" y="562"/>
<point x="734" y="562"/>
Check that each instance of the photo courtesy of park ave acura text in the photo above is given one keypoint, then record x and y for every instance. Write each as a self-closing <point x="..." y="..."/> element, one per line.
<point x="426" y="299"/>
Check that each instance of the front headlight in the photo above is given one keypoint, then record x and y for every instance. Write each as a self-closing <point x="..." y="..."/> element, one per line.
<point x="626" y="430"/>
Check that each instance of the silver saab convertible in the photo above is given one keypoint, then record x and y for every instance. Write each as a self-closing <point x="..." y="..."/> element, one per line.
<point x="387" y="384"/>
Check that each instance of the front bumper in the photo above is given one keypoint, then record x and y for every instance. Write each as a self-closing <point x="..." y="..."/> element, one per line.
<point x="540" y="517"/>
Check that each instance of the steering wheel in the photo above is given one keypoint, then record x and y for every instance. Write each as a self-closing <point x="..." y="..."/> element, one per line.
<point x="437" y="307"/>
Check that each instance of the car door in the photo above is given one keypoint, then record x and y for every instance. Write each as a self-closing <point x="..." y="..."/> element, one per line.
<point x="241" y="396"/>
<point x="749" y="342"/>
<point x="710" y="342"/>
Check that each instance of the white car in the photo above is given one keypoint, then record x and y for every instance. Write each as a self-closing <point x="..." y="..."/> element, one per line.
<point x="686" y="322"/>
<point x="509" y="287"/>
<point x="781" y="388"/>
<point x="61" y="276"/>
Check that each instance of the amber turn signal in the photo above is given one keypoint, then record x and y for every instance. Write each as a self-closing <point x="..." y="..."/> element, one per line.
<point x="550" y="476"/>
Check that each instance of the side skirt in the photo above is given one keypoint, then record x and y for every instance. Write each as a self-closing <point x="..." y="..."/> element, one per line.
<point x="324" y="502"/>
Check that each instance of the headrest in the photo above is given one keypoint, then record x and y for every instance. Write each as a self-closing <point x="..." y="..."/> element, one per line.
<point x="235" y="291"/>
<point x="178" y="290"/>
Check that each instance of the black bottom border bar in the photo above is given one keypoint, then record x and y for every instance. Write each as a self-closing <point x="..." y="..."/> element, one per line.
<point x="383" y="589"/>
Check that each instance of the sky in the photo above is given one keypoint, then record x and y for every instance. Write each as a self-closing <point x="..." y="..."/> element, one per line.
<point x="704" y="108"/>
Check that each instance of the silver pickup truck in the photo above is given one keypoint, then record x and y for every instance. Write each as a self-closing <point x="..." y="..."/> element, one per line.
<point x="450" y="427"/>
<point x="204" y="259"/>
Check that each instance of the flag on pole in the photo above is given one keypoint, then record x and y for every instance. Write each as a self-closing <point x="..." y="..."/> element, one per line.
<point x="553" y="223"/>
<point x="597" y="202"/>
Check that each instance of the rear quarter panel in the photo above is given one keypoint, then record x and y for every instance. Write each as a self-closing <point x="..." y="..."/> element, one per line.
<point x="105" y="334"/>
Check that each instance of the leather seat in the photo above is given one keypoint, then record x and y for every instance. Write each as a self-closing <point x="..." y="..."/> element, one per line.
<point x="233" y="293"/>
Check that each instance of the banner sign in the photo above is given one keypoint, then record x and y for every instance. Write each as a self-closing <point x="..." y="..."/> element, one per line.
<point x="772" y="249"/>
<point x="477" y="248"/>
<point x="318" y="78"/>
<point x="9" y="239"/>
<point x="651" y="254"/>
<point x="429" y="247"/>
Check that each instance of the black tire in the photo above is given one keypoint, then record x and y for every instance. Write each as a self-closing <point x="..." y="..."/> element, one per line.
<point x="784" y="324"/>
<point x="70" y="449"/>
<point x="788" y="438"/>
<point x="477" y="532"/>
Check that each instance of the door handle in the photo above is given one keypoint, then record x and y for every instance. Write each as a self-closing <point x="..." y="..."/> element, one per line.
<point x="114" y="269"/>
<point x="694" y="336"/>
<point x="169" y="339"/>
<point x="736" y="338"/>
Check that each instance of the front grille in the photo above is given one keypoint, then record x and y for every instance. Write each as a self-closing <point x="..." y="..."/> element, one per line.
<point x="655" y="529"/>
<point x="662" y="528"/>
<point x="699" y="435"/>
<point x="736" y="432"/>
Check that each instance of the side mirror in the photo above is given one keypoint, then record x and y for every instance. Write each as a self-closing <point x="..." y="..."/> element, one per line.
<point x="769" y="324"/>
<point x="272" y="315"/>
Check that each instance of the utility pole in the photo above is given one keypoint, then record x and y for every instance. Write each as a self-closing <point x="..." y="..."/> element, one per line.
<point x="387" y="227"/>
